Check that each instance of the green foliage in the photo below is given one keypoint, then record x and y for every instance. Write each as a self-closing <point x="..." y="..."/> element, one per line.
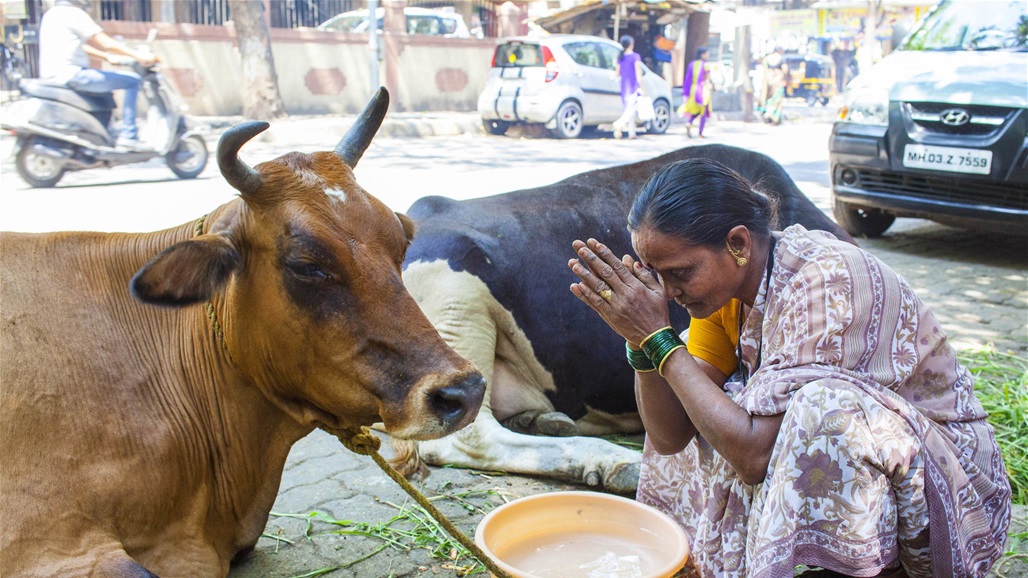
<point x="411" y="528"/>
<point x="1001" y="382"/>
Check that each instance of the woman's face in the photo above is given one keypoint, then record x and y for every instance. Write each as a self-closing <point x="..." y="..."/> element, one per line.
<point x="701" y="279"/>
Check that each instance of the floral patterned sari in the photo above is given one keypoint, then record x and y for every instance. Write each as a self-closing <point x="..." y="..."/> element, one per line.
<point x="884" y="456"/>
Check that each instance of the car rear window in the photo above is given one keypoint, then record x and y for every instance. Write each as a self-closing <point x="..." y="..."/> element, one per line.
<point x="518" y="55"/>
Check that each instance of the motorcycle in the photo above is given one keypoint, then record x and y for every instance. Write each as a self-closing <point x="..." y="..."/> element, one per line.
<point x="60" y="130"/>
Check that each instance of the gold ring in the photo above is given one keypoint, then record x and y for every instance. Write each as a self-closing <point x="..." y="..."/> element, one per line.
<point x="606" y="294"/>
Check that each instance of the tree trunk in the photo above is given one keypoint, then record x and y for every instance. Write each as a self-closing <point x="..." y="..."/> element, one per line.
<point x="261" y="97"/>
<point x="697" y="34"/>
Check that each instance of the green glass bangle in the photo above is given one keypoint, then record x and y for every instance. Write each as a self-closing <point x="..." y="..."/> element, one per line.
<point x="652" y="335"/>
<point x="659" y="346"/>
<point x="638" y="359"/>
<point x="660" y="369"/>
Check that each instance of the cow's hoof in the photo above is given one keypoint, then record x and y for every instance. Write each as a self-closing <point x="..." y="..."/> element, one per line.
<point x="520" y="423"/>
<point x="623" y="479"/>
<point x="554" y="424"/>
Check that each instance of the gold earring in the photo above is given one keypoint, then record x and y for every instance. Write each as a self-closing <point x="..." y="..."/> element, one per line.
<point x="740" y="261"/>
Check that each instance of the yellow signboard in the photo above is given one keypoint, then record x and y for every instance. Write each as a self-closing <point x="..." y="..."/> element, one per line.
<point x="840" y="21"/>
<point x="793" y="22"/>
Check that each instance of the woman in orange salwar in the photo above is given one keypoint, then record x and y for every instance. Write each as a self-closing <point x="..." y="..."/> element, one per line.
<point x="842" y="433"/>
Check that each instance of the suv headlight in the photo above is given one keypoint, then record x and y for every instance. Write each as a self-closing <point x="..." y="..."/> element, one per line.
<point x="866" y="106"/>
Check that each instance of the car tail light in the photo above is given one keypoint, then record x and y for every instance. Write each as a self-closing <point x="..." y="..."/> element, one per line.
<point x="492" y="63"/>
<point x="550" y="63"/>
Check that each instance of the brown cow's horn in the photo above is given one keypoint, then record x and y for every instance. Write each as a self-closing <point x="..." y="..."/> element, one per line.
<point x="357" y="139"/>
<point x="240" y="175"/>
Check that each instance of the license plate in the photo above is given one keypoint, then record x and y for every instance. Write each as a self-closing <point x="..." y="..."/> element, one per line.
<point x="954" y="160"/>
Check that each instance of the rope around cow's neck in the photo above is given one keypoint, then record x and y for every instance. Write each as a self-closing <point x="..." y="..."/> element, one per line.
<point x="362" y="442"/>
<point x="208" y="307"/>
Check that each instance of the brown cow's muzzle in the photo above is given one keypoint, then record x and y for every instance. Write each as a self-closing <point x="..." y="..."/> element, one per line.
<point x="437" y="406"/>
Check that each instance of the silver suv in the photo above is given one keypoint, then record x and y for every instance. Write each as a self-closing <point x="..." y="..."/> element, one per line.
<point x="566" y="82"/>
<point x="939" y="128"/>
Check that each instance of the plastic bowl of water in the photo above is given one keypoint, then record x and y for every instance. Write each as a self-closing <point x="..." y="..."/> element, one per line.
<point x="582" y="535"/>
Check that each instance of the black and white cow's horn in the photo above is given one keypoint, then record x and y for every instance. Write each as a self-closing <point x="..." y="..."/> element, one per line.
<point x="357" y="139"/>
<point x="240" y="175"/>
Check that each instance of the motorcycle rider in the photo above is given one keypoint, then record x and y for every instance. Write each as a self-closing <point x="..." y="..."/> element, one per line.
<point x="68" y="36"/>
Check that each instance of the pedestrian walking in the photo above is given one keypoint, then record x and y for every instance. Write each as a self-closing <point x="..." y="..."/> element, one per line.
<point x="630" y="70"/>
<point x="778" y="82"/>
<point x="697" y="90"/>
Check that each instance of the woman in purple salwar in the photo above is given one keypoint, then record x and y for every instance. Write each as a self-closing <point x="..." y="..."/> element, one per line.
<point x="630" y="70"/>
<point x="842" y="433"/>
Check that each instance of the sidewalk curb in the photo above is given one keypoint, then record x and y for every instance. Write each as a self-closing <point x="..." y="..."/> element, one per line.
<point x="292" y="130"/>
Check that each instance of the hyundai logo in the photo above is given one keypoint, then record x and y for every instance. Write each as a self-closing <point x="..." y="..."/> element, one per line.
<point x="954" y="117"/>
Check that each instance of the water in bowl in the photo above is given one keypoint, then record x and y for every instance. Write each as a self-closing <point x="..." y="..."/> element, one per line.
<point x="584" y="555"/>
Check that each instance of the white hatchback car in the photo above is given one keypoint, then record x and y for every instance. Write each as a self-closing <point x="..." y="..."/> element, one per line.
<point x="419" y="21"/>
<point x="566" y="82"/>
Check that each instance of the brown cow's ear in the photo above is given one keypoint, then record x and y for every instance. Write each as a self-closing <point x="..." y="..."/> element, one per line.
<point x="408" y="226"/>
<point x="187" y="272"/>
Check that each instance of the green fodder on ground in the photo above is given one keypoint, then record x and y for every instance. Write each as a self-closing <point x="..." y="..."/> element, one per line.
<point x="1001" y="382"/>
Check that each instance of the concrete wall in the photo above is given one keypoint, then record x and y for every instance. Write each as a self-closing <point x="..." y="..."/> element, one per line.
<point x="319" y="72"/>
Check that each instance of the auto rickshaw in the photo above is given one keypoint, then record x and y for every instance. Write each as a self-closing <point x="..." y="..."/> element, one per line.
<point x="811" y="77"/>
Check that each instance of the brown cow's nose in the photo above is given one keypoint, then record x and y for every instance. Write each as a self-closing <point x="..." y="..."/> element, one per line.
<point x="454" y="402"/>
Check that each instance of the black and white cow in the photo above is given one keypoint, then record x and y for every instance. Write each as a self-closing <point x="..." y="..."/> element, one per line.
<point x="491" y="274"/>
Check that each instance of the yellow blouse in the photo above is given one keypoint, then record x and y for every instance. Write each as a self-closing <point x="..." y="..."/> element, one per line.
<point x="715" y="338"/>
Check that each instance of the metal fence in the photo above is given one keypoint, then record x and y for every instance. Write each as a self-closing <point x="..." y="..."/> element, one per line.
<point x="310" y="13"/>
<point x="128" y="10"/>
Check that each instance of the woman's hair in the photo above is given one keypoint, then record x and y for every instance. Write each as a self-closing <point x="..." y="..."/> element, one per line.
<point x="699" y="201"/>
<point x="701" y="51"/>
<point x="626" y="41"/>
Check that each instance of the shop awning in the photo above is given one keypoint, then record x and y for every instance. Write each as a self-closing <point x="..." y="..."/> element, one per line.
<point x="668" y="11"/>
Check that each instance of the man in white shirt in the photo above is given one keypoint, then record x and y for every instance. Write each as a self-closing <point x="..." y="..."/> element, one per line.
<point x="68" y="36"/>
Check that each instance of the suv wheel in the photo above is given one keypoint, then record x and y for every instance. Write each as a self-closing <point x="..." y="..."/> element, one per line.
<point x="861" y="221"/>
<point x="495" y="127"/>
<point x="569" y="120"/>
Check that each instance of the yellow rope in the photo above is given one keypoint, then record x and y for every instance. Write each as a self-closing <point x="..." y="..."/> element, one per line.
<point x="198" y="226"/>
<point x="363" y="442"/>
<point x="212" y="315"/>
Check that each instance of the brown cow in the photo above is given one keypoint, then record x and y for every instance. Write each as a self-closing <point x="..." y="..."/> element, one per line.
<point x="138" y="439"/>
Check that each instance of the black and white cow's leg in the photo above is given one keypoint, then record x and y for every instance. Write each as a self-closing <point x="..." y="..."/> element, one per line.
<point x="542" y="423"/>
<point x="487" y="445"/>
<point x="467" y="316"/>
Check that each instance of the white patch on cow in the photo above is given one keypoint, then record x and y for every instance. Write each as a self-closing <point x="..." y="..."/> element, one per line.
<point x="337" y="193"/>
<point x="472" y="322"/>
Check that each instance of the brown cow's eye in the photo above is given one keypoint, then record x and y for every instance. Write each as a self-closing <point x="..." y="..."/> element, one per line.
<point x="308" y="271"/>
